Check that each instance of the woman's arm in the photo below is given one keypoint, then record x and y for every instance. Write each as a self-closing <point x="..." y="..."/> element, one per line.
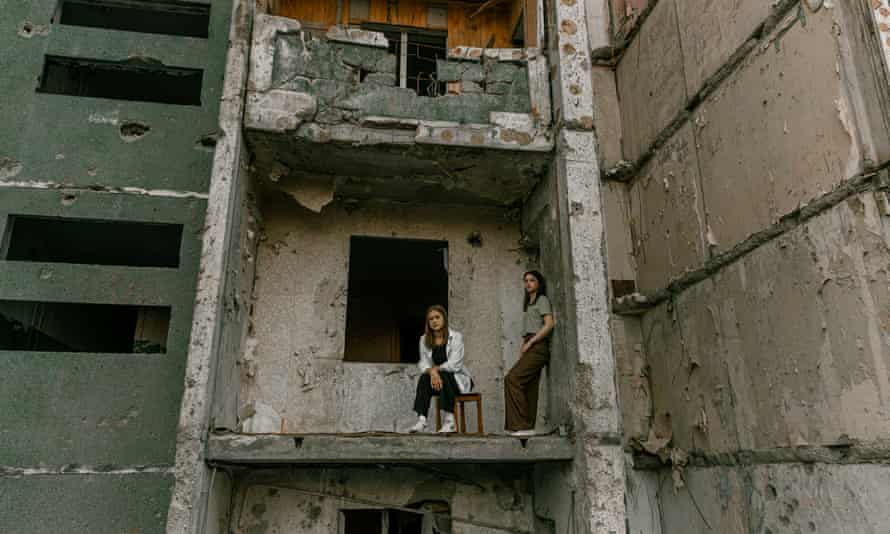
<point x="425" y="363"/>
<point x="545" y="330"/>
<point x="455" y="354"/>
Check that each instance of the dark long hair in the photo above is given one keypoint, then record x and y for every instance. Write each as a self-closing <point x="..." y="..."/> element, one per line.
<point x="427" y="333"/>
<point x="542" y="288"/>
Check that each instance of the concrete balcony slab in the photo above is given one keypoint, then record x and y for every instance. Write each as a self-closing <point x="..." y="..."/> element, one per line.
<point x="375" y="448"/>
<point x="332" y="107"/>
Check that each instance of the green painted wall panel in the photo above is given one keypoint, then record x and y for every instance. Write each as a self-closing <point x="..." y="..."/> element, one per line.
<point x="85" y="504"/>
<point x="76" y="140"/>
<point x="112" y="410"/>
<point x="90" y="409"/>
<point x="98" y="284"/>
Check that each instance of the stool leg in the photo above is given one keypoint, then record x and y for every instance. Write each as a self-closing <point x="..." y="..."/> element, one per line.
<point x="463" y="417"/>
<point x="479" y="427"/>
<point x="438" y="416"/>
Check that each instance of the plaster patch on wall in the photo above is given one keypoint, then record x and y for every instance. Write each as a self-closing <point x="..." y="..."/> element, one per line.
<point x="311" y="194"/>
<point x="111" y="117"/>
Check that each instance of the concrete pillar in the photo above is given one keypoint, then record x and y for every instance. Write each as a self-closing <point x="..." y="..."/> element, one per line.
<point x="189" y="504"/>
<point x="599" y="464"/>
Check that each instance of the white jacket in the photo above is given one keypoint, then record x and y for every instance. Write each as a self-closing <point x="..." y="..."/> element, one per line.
<point x="454" y="351"/>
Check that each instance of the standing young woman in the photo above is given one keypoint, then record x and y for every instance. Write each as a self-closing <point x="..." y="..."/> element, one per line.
<point x="521" y="384"/>
<point x="442" y="365"/>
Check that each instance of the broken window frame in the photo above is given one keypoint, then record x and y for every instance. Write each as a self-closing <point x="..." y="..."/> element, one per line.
<point x="401" y="38"/>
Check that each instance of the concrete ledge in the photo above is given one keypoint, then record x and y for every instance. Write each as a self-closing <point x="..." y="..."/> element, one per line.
<point x="842" y="452"/>
<point x="383" y="448"/>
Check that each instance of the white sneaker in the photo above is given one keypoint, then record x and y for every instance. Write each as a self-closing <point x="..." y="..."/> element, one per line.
<point x="522" y="433"/>
<point x="448" y="425"/>
<point x="419" y="426"/>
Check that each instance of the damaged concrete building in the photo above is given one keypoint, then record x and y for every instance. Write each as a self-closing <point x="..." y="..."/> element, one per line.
<point x="223" y="219"/>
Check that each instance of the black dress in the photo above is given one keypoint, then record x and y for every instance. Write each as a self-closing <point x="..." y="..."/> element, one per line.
<point x="425" y="391"/>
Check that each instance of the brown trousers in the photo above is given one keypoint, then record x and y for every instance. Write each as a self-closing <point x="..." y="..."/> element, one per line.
<point x="521" y="388"/>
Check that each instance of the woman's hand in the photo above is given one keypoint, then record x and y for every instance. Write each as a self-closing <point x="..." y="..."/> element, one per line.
<point x="525" y="346"/>
<point x="435" y="379"/>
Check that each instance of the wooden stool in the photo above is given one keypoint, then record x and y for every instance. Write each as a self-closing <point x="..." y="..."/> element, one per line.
<point x="460" y="412"/>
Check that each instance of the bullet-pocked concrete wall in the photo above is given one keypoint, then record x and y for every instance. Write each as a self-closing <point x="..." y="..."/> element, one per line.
<point x="295" y="358"/>
<point x="779" y="132"/>
<point x="88" y="439"/>
<point x="754" y="221"/>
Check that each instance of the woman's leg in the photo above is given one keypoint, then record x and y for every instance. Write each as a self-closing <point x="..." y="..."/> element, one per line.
<point x="521" y="388"/>
<point x="450" y="391"/>
<point x="425" y="393"/>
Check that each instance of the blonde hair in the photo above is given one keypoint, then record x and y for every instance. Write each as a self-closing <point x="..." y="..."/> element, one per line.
<point x="427" y="333"/>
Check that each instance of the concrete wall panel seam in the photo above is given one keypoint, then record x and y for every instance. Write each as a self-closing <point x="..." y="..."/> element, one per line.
<point x="869" y="181"/>
<point x="629" y="171"/>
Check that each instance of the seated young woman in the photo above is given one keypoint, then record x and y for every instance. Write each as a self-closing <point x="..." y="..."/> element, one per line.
<point x="442" y="367"/>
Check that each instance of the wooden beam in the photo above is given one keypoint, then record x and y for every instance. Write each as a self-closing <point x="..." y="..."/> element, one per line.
<point x="487" y="5"/>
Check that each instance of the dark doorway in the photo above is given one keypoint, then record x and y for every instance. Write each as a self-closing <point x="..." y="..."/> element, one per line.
<point x="391" y="284"/>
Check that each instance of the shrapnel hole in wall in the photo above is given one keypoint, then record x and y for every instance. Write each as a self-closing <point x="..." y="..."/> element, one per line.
<point x="92" y="241"/>
<point x="140" y="79"/>
<point x="391" y="284"/>
<point x="187" y="19"/>
<point x="76" y="327"/>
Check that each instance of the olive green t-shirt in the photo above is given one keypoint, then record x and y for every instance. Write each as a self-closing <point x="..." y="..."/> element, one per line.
<point x="533" y="320"/>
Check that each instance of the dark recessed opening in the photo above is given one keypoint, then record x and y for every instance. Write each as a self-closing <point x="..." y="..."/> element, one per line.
<point x="391" y="284"/>
<point x="75" y="327"/>
<point x="382" y="521"/>
<point x="91" y="241"/>
<point x="362" y="521"/>
<point x="142" y="80"/>
<point x="187" y="19"/>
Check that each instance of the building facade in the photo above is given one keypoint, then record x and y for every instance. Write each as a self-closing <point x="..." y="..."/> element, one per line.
<point x="223" y="221"/>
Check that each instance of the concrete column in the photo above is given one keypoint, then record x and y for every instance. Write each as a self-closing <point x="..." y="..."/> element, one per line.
<point x="189" y="503"/>
<point x="599" y="464"/>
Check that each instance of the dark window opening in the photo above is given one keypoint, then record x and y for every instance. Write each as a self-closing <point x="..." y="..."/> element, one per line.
<point x="141" y="80"/>
<point x="91" y="241"/>
<point x="362" y="521"/>
<point x="75" y="327"/>
<point x="391" y="284"/>
<point x="186" y="19"/>
<point x="419" y="57"/>
<point x="385" y="521"/>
